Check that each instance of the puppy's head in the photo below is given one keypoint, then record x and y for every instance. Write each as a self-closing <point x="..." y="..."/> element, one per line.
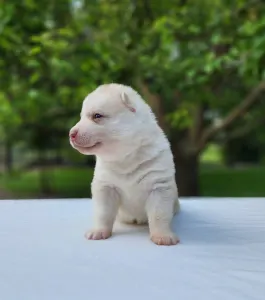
<point x="112" y="117"/>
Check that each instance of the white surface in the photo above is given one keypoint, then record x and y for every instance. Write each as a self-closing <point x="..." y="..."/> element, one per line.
<point x="43" y="254"/>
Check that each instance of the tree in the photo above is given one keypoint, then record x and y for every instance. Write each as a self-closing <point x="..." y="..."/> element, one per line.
<point x="199" y="64"/>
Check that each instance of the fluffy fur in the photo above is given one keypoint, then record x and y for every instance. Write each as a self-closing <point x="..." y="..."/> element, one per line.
<point x="134" y="177"/>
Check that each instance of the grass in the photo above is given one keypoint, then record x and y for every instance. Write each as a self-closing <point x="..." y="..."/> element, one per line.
<point x="215" y="180"/>
<point x="224" y="182"/>
<point x="75" y="182"/>
<point x="65" y="183"/>
<point x="219" y="181"/>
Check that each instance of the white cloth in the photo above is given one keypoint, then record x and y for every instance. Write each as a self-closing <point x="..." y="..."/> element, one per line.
<point x="44" y="256"/>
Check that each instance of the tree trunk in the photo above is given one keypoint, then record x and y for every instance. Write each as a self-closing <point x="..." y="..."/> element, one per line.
<point x="8" y="157"/>
<point x="187" y="175"/>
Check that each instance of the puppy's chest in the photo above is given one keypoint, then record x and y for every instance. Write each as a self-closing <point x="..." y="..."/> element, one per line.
<point x="133" y="198"/>
<point x="129" y="187"/>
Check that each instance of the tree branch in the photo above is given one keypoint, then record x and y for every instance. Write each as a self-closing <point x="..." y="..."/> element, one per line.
<point x="234" y="115"/>
<point x="196" y="129"/>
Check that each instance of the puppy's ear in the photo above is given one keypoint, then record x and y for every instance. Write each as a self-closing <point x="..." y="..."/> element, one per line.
<point x="126" y="101"/>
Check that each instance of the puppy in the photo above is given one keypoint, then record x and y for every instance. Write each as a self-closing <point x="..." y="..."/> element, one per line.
<point x="134" y="178"/>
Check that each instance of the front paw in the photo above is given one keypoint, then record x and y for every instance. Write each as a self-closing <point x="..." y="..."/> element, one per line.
<point x="98" y="234"/>
<point x="166" y="239"/>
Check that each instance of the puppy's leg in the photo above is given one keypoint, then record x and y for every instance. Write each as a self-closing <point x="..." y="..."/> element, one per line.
<point x="160" y="211"/>
<point x="106" y="201"/>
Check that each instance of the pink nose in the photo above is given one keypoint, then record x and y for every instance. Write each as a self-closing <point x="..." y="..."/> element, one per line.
<point x="73" y="134"/>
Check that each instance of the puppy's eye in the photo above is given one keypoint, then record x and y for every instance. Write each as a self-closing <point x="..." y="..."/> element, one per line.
<point x="97" y="116"/>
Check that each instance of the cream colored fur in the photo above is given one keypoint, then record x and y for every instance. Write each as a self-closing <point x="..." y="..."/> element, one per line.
<point x="134" y="177"/>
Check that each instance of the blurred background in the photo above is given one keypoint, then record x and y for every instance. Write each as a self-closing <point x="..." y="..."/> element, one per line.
<point x="200" y="64"/>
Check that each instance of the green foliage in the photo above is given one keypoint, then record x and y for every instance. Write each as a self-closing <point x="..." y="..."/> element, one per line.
<point x="179" y="119"/>
<point x="52" y="54"/>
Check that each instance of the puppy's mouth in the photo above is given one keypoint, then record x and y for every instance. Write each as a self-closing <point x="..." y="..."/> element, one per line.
<point x="89" y="148"/>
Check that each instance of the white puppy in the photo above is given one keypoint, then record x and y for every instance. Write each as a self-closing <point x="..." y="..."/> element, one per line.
<point x="134" y="177"/>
